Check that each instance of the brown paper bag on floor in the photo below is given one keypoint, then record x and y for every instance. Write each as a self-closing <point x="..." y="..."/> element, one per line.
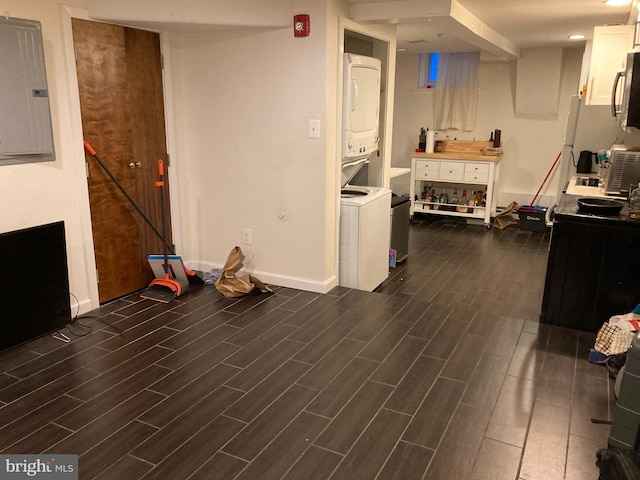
<point x="232" y="285"/>
<point x="503" y="219"/>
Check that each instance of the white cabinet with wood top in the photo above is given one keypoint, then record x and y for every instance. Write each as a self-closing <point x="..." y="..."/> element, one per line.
<point x="440" y="171"/>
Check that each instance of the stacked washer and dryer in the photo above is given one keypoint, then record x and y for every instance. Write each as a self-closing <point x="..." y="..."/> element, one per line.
<point x="365" y="211"/>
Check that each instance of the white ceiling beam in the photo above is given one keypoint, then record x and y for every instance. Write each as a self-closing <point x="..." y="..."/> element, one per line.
<point x="193" y="15"/>
<point x="483" y="36"/>
<point x="468" y="27"/>
<point x="396" y="11"/>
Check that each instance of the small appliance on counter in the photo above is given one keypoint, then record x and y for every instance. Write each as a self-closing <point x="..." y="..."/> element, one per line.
<point x="585" y="162"/>
<point x="624" y="170"/>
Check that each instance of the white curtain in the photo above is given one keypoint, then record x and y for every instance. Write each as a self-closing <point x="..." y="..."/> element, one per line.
<point x="457" y="91"/>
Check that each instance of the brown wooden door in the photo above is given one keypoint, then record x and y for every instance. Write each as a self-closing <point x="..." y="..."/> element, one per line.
<point x="121" y="100"/>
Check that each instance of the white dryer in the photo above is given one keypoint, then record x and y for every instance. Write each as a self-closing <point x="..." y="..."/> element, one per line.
<point x="365" y="228"/>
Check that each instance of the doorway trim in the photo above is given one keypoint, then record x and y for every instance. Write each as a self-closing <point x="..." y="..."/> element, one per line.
<point x="385" y="49"/>
<point x="77" y="155"/>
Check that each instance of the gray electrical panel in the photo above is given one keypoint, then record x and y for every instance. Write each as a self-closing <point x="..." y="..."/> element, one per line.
<point x="25" y="117"/>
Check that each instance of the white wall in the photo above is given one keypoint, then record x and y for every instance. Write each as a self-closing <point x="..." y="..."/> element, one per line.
<point x="530" y="145"/>
<point x="38" y="193"/>
<point x="243" y="102"/>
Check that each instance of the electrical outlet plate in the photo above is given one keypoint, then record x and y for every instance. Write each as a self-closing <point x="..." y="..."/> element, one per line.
<point x="246" y="236"/>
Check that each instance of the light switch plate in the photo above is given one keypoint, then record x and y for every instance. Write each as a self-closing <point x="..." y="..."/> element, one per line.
<point x="314" y="128"/>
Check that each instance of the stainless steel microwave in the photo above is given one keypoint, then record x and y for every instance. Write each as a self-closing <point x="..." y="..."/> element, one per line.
<point x="628" y="110"/>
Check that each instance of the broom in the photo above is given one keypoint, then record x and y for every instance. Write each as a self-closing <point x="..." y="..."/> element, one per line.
<point x="192" y="277"/>
<point x="163" y="289"/>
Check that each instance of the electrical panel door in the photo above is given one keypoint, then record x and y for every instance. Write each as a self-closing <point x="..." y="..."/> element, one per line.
<point x="25" y="118"/>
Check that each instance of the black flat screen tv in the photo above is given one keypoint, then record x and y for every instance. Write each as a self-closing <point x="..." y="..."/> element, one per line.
<point x="34" y="283"/>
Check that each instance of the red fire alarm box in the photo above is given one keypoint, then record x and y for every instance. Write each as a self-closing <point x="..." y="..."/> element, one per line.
<point x="301" y="25"/>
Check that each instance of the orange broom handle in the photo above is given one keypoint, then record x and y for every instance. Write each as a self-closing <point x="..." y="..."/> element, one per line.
<point x="160" y="183"/>
<point x="89" y="148"/>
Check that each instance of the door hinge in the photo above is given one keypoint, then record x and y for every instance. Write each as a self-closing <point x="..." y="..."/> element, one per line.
<point x="162" y="61"/>
<point x="168" y="162"/>
<point x="86" y="164"/>
<point x="97" y="276"/>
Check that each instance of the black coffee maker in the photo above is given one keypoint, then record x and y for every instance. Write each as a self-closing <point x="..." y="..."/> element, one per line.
<point x="585" y="161"/>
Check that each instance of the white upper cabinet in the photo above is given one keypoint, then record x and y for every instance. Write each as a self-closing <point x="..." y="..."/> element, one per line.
<point x="610" y="47"/>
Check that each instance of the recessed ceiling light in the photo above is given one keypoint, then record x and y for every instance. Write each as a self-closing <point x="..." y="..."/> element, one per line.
<point x="617" y="3"/>
<point x="576" y="37"/>
<point x="402" y="50"/>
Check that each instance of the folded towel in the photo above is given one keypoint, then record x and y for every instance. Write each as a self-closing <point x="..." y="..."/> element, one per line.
<point x="611" y="339"/>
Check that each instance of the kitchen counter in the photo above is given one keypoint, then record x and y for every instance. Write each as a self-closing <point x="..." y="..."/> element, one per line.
<point x="477" y="156"/>
<point x="578" y="185"/>
<point x="461" y="150"/>
<point x="593" y="267"/>
<point x="569" y="210"/>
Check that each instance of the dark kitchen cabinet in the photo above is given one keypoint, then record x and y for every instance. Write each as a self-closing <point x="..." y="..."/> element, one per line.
<point x="593" y="270"/>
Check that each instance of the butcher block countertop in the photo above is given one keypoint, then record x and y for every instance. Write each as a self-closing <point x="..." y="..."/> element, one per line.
<point x="461" y="150"/>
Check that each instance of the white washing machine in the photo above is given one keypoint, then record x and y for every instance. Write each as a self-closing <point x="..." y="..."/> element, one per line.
<point x="365" y="228"/>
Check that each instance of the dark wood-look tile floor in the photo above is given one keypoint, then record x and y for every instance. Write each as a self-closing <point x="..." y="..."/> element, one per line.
<point x="443" y="373"/>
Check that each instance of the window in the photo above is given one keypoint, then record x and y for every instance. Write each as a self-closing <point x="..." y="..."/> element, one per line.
<point x="428" y="69"/>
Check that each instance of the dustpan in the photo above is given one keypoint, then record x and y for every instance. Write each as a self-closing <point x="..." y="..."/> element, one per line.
<point x="165" y="287"/>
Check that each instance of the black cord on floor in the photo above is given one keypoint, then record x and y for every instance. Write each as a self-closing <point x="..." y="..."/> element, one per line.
<point x="76" y="320"/>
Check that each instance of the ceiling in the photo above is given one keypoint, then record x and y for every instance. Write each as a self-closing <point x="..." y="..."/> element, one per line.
<point x="498" y="28"/>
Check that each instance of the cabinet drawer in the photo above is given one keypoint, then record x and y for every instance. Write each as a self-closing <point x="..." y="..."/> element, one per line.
<point x="422" y="174"/>
<point x="472" y="177"/>
<point x="451" y="171"/>
<point x="427" y="165"/>
<point x="476" y="172"/>
<point x="476" y="168"/>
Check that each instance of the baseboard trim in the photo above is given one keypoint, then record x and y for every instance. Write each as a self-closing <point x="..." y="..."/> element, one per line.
<point x="270" y="278"/>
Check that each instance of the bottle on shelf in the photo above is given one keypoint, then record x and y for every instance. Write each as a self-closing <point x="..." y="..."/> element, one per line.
<point x="463" y="207"/>
<point x="444" y="200"/>
<point x="479" y="198"/>
<point x="472" y="201"/>
<point x="424" y="196"/>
